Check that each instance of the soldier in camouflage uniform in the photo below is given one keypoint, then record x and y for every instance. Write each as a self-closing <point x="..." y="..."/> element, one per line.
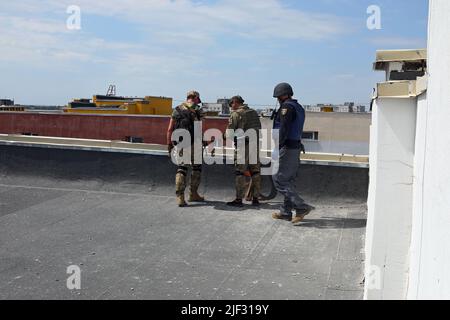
<point x="183" y="117"/>
<point x="245" y="118"/>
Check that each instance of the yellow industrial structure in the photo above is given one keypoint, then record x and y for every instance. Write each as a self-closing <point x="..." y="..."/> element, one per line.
<point x="327" y="109"/>
<point x="121" y="105"/>
<point x="112" y="104"/>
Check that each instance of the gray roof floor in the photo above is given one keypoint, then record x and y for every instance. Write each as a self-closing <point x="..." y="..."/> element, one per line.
<point x="134" y="243"/>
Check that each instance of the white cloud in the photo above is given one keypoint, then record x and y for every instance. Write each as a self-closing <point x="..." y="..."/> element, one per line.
<point x="180" y="39"/>
<point x="253" y="18"/>
<point x="149" y="63"/>
<point x="33" y="25"/>
<point x="44" y="42"/>
<point x="175" y="27"/>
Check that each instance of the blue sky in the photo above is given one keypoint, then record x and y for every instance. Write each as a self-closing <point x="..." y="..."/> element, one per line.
<point x="220" y="48"/>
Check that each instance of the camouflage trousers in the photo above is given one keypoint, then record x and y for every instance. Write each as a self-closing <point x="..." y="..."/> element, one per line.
<point x="181" y="177"/>
<point x="242" y="171"/>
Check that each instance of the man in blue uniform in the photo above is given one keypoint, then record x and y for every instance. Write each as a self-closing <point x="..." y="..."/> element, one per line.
<point x="290" y="120"/>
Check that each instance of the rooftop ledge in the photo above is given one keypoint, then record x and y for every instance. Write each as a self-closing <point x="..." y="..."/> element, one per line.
<point x="406" y="75"/>
<point x="326" y="159"/>
<point x="402" y="89"/>
<point x="386" y="56"/>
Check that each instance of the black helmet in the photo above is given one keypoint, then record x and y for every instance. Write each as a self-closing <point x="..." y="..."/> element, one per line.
<point x="283" y="89"/>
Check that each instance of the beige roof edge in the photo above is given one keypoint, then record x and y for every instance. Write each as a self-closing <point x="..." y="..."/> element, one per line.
<point x="401" y="55"/>
<point x="402" y="89"/>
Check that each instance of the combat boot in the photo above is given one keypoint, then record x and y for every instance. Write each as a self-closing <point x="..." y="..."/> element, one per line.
<point x="195" y="197"/>
<point x="195" y="183"/>
<point x="280" y="216"/>
<point x="302" y="213"/>
<point x="180" y="200"/>
<point x="255" y="202"/>
<point x="235" y="203"/>
<point x="180" y="184"/>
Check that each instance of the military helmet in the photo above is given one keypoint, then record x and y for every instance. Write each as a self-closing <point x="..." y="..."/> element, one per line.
<point x="193" y="94"/>
<point x="283" y="89"/>
<point x="238" y="99"/>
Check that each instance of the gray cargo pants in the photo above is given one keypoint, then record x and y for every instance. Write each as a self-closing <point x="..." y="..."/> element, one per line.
<point x="284" y="180"/>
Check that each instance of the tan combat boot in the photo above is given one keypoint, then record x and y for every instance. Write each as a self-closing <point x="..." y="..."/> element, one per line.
<point x="180" y="200"/>
<point x="301" y="214"/>
<point x="195" y="197"/>
<point x="180" y="183"/>
<point x="195" y="183"/>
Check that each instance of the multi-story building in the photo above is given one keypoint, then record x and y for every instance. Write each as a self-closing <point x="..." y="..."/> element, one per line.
<point x="6" y="102"/>
<point x="225" y="105"/>
<point x="212" y="107"/>
<point x="334" y="132"/>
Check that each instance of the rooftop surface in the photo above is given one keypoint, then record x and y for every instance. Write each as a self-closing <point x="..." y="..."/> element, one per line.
<point x="114" y="215"/>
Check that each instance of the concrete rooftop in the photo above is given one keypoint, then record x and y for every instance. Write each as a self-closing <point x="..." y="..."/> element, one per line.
<point x="114" y="215"/>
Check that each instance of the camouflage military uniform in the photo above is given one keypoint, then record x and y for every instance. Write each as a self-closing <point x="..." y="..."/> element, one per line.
<point x="196" y="169"/>
<point x="245" y="118"/>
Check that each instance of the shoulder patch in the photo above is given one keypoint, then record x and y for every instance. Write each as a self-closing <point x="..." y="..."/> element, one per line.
<point x="284" y="111"/>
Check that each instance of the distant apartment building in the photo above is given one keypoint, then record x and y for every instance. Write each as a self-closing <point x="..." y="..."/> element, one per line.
<point x="212" y="107"/>
<point x="334" y="132"/>
<point x="221" y="107"/>
<point x="225" y="105"/>
<point x="310" y="108"/>
<point x="9" y="106"/>
<point x="341" y="108"/>
<point x="6" y="102"/>
<point x="346" y="107"/>
<point x="359" y="109"/>
<point x="337" y="132"/>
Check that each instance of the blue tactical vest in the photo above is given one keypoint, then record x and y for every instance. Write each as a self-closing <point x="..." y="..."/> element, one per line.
<point x="296" y="131"/>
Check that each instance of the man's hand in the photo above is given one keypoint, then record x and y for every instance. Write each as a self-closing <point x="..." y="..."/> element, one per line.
<point x="302" y="148"/>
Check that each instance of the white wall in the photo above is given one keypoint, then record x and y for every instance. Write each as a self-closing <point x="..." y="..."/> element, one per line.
<point x="419" y="166"/>
<point x="408" y="230"/>
<point x="371" y="280"/>
<point x="430" y="265"/>
<point x="390" y="198"/>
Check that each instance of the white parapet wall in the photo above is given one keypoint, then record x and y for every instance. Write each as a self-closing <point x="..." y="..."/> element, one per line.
<point x="390" y="198"/>
<point x="417" y="217"/>
<point x="430" y="246"/>
<point x="408" y="229"/>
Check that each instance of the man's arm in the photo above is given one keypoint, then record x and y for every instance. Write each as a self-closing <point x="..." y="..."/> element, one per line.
<point x="169" y="134"/>
<point x="287" y="115"/>
<point x="232" y="124"/>
<point x="170" y="131"/>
